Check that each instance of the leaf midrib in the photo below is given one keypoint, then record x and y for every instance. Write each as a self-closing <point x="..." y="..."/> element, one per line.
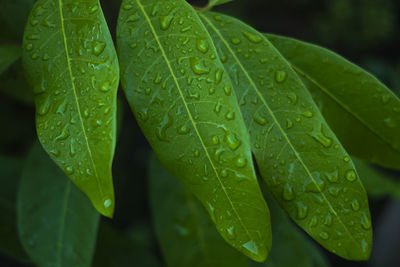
<point x="340" y="103"/>
<point x="190" y="115"/>
<point x="276" y="121"/>
<point x="76" y="96"/>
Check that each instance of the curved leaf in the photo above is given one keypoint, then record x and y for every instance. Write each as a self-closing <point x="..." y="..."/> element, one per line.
<point x="213" y="3"/>
<point x="184" y="230"/>
<point x="300" y="159"/>
<point x="183" y="101"/>
<point x="8" y="55"/>
<point x="350" y="98"/>
<point x="378" y="183"/>
<point x="71" y="63"/>
<point x="57" y="224"/>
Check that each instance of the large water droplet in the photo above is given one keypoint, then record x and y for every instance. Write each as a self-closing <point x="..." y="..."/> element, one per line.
<point x="324" y="235"/>
<point x="287" y="193"/>
<point x="202" y="45"/>
<point x="355" y="205"/>
<point x="165" y="124"/>
<point x="351" y="175"/>
<point x="365" y="221"/>
<point x="165" y="22"/>
<point x="252" y="37"/>
<point x="197" y="66"/>
<point x="251" y="246"/>
<point x="232" y="141"/>
<point x="98" y="47"/>
<point x="280" y="76"/>
<point x="240" y="162"/>
<point x="302" y="210"/>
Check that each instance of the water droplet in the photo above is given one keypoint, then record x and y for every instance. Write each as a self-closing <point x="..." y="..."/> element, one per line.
<point x="227" y="90"/>
<point x="184" y="129"/>
<point x="289" y="124"/>
<point x="351" y="175"/>
<point x="93" y="9"/>
<point x="133" y="18"/>
<point x="165" y="22"/>
<point x="280" y="76"/>
<point x="321" y="138"/>
<point x="390" y="122"/>
<point x="346" y="159"/>
<point x="218" y="76"/>
<point x="240" y="162"/>
<point x="334" y="191"/>
<point x="44" y="107"/>
<point x="333" y="177"/>
<point x="302" y="210"/>
<point x="355" y="205"/>
<point x="224" y="173"/>
<point x="307" y="114"/>
<point x="215" y="140"/>
<point x="98" y="47"/>
<point x="29" y="47"/>
<point x="324" y="235"/>
<point x="33" y="37"/>
<point x="232" y="141"/>
<point x="252" y="37"/>
<point x="165" y="124"/>
<point x="328" y="219"/>
<point x="202" y="45"/>
<point x="105" y="87"/>
<point x="235" y="41"/>
<point x="251" y="247"/>
<point x="260" y="119"/>
<point x="197" y="66"/>
<point x="365" y="221"/>
<point x="231" y="232"/>
<point x="72" y="150"/>
<point x="69" y="170"/>
<point x="127" y="7"/>
<point x="107" y="203"/>
<point x="287" y="193"/>
<point x="230" y="115"/>
<point x="218" y="107"/>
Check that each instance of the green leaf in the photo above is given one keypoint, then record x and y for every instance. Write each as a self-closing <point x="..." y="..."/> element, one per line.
<point x="213" y="3"/>
<point x="349" y="97"/>
<point x="8" y="55"/>
<point x="10" y="171"/>
<point x="303" y="164"/>
<point x="185" y="105"/>
<point x="116" y="250"/>
<point x="184" y="230"/>
<point x="288" y="240"/>
<point x="378" y="183"/>
<point x="71" y="63"/>
<point x="57" y="224"/>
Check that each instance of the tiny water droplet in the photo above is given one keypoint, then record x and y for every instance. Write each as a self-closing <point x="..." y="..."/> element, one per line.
<point x="98" y="47"/>
<point x="324" y="235"/>
<point x="197" y="67"/>
<point x="69" y="170"/>
<point x="365" y="221"/>
<point x="252" y="37"/>
<point x="202" y="45"/>
<point x="240" y="162"/>
<point x="235" y="41"/>
<point x="302" y="210"/>
<point x="232" y="141"/>
<point x="165" y="22"/>
<point x="355" y="205"/>
<point x="107" y="203"/>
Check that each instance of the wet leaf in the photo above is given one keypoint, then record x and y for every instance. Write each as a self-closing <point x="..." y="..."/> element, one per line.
<point x="71" y="63"/>
<point x="185" y="105"/>
<point x="186" y="234"/>
<point x="57" y="224"/>
<point x="378" y="183"/>
<point x="188" y="112"/>
<point x="349" y="98"/>
<point x="303" y="164"/>
<point x="8" y="55"/>
<point x="213" y="3"/>
<point x="289" y="240"/>
<point x="10" y="172"/>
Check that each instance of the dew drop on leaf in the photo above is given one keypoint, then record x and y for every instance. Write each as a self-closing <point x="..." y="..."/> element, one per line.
<point x="351" y="175"/>
<point x="252" y="37"/>
<point x="287" y="193"/>
<point x="280" y="76"/>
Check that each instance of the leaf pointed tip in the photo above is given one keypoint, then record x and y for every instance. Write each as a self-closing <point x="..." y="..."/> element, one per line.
<point x="106" y="207"/>
<point x="257" y="252"/>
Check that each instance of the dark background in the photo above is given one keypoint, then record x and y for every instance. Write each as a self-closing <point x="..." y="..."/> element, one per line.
<point x="364" y="31"/>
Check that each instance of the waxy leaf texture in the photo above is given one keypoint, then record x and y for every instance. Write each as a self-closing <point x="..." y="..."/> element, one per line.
<point x="363" y="112"/>
<point x="303" y="164"/>
<point x="71" y="63"/>
<point x="186" y="106"/>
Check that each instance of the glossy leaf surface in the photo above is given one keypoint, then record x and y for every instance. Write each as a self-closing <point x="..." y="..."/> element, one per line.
<point x="350" y="98"/>
<point x="300" y="159"/>
<point x="378" y="183"/>
<point x="56" y="222"/>
<point x="71" y="63"/>
<point x="8" y="55"/>
<point x="213" y="3"/>
<point x="289" y="240"/>
<point x="10" y="172"/>
<point x="187" y="109"/>
<point x="186" y="234"/>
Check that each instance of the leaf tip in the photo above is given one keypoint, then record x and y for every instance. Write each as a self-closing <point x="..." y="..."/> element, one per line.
<point x="257" y="252"/>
